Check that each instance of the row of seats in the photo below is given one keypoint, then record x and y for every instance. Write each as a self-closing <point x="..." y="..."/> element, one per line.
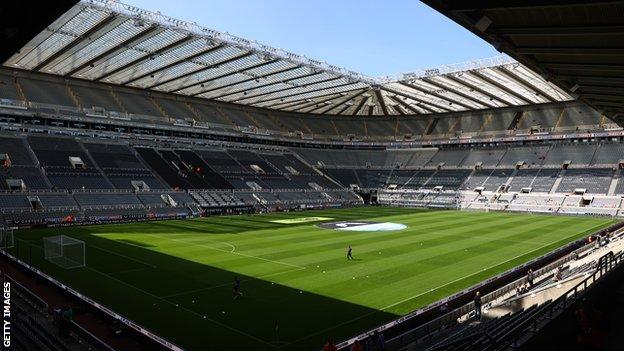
<point x="593" y="180"/>
<point x="549" y="156"/>
<point x="74" y="94"/>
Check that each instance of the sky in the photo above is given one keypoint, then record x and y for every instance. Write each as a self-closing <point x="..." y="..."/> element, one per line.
<point x="376" y="38"/>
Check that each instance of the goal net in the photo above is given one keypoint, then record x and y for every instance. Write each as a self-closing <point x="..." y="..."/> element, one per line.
<point x="64" y="251"/>
<point x="6" y="238"/>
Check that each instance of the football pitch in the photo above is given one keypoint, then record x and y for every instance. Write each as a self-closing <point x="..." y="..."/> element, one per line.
<point x="176" y="277"/>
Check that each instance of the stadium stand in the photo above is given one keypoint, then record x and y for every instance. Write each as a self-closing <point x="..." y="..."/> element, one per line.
<point x="99" y="139"/>
<point x="593" y="181"/>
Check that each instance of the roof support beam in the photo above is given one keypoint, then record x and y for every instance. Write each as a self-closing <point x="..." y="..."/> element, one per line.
<point x="371" y="110"/>
<point x="607" y="97"/>
<point x="253" y="77"/>
<point x="295" y="103"/>
<point x="617" y="105"/>
<point x="500" y="86"/>
<point x="304" y="99"/>
<point x="283" y="89"/>
<point x="344" y="101"/>
<point x="405" y="105"/>
<point x="476" y="88"/>
<point x="523" y="82"/>
<point x="103" y="23"/>
<point x="604" y="88"/>
<point x="471" y="5"/>
<point x="317" y="104"/>
<point x="231" y="73"/>
<point x="597" y="30"/>
<point x="205" y="68"/>
<point x="146" y="57"/>
<point x="439" y="96"/>
<point x="581" y="78"/>
<point x="398" y="109"/>
<point x="360" y="105"/>
<point x="346" y="107"/>
<point x="585" y="66"/>
<point x="436" y="104"/>
<point x="174" y="63"/>
<point x="307" y="92"/>
<point x="382" y="103"/>
<point x="571" y="51"/>
<point x="115" y="50"/>
<point x="458" y="92"/>
<point x="266" y="85"/>
<point x="420" y="101"/>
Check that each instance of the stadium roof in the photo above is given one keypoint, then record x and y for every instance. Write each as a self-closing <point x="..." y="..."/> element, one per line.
<point x="115" y="43"/>
<point x="578" y="44"/>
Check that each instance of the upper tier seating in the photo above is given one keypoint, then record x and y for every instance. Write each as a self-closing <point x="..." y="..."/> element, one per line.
<point x="164" y="169"/>
<point x="532" y="156"/>
<point x="577" y="154"/>
<point x="372" y="178"/>
<point x="31" y="176"/>
<point x="54" y="156"/>
<point x="540" y="180"/>
<point x="608" y="154"/>
<point x="497" y="178"/>
<point x="54" y="153"/>
<point x="221" y="161"/>
<point x="477" y="179"/>
<point x="485" y="157"/>
<point x="17" y="150"/>
<point x="594" y="180"/>
<point x="210" y="178"/>
<point x="248" y="158"/>
<point x="121" y="165"/>
<point x="449" y="157"/>
<point x="346" y="177"/>
<point x="8" y="90"/>
<point x="419" y="179"/>
<point x="46" y="92"/>
<point x="399" y="177"/>
<point x="448" y="179"/>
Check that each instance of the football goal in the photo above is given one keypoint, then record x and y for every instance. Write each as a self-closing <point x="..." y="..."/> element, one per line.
<point x="64" y="251"/>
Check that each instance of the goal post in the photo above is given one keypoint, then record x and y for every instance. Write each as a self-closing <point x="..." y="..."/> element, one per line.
<point x="64" y="251"/>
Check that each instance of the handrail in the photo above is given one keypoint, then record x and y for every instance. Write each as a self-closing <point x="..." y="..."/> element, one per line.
<point x="606" y="264"/>
<point x="428" y="327"/>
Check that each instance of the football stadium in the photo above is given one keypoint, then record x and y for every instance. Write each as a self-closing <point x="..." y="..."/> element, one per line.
<point x="169" y="186"/>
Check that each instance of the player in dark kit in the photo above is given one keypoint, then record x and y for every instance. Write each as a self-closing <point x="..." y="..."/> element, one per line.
<point x="237" y="288"/>
<point x="349" y="255"/>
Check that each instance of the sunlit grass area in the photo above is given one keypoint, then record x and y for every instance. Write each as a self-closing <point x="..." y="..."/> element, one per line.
<point x="176" y="277"/>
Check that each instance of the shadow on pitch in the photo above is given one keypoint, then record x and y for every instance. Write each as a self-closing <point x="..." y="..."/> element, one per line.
<point x="191" y="304"/>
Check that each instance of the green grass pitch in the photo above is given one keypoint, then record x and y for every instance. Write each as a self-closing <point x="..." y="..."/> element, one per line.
<point x="175" y="277"/>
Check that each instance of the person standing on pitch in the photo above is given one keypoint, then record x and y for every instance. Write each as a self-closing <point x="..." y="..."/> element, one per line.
<point x="237" y="288"/>
<point x="349" y="251"/>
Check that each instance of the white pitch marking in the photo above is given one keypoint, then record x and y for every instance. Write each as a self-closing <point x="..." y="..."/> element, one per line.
<point x="124" y="256"/>
<point x="427" y="292"/>
<point x="131" y="270"/>
<point x="232" y="252"/>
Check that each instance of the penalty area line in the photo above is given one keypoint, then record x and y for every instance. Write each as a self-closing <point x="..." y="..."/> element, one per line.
<point x="226" y="251"/>
<point x="124" y="256"/>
